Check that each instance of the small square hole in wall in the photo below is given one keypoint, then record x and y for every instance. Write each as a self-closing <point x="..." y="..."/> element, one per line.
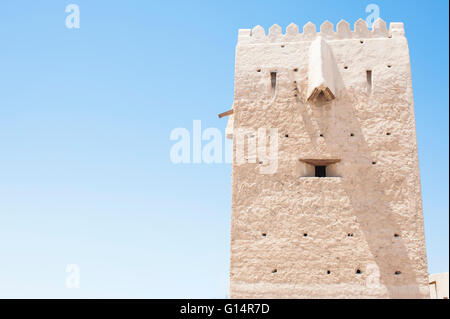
<point x="321" y="171"/>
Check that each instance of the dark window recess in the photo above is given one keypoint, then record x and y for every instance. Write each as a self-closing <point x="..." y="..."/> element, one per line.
<point x="321" y="171"/>
<point x="273" y="80"/>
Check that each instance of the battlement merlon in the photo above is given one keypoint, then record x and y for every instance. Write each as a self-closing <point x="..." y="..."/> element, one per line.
<point x="343" y="32"/>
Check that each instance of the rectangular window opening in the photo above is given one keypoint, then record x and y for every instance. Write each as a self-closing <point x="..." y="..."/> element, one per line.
<point x="321" y="171"/>
<point x="369" y="81"/>
<point x="273" y="81"/>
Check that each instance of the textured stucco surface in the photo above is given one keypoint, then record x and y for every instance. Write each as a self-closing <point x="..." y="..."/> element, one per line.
<point x="320" y="231"/>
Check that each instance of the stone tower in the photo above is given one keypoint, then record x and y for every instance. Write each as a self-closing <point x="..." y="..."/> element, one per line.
<point x="340" y="216"/>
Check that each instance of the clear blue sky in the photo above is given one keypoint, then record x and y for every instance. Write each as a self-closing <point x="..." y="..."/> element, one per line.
<point x="85" y="119"/>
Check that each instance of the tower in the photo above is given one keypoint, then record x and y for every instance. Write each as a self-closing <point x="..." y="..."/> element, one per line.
<point x="339" y="214"/>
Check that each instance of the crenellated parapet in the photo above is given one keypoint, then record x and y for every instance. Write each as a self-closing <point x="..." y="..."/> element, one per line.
<point x="327" y="31"/>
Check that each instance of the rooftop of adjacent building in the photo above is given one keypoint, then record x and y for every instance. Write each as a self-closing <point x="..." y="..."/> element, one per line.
<point x="439" y="286"/>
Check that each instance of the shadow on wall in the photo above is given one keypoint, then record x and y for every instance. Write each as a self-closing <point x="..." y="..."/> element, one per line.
<point x="381" y="201"/>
